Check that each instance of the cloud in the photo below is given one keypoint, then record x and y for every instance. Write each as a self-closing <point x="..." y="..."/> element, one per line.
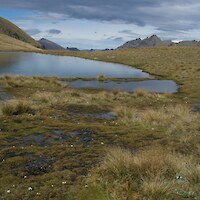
<point x="164" y="15"/>
<point x="54" y="31"/>
<point x="33" y="31"/>
<point x="130" y="33"/>
<point x="115" y="39"/>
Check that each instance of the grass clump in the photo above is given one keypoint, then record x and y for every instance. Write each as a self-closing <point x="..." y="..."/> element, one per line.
<point x="150" y="174"/>
<point x="17" y="108"/>
<point x="140" y="92"/>
<point x="101" y="77"/>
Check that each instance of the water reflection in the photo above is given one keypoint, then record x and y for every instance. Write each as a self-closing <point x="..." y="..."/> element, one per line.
<point x="33" y="64"/>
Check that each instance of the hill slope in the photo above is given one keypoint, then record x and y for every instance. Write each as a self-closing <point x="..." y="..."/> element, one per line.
<point x="10" y="29"/>
<point x="49" y="45"/>
<point x="8" y="43"/>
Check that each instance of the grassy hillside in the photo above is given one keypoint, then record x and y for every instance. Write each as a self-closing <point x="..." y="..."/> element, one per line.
<point x="10" y="44"/>
<point x="10" y="29"/>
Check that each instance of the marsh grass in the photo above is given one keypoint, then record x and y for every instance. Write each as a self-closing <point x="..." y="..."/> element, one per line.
<point x="150" y="174"/>
<point x="15" y="107"/>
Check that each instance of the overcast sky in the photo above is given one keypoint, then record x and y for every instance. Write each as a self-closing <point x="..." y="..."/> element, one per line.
<point x="104" y="23"/>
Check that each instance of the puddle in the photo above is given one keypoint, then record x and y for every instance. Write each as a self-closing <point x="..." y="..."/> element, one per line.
<point x="58" y="135"/>
<point x="104" y="115"/>
<point x="84" y="136"/>
<point x="38" y="139"/>
<point x="38" y="165"/>
<point x="35" y="139"/>
<point x="4" y="96"/>
<point x="91" y="111"/>
<point x="16" y="154"/>
<point x="196" y="108"/>
<point x="159" y="86"/>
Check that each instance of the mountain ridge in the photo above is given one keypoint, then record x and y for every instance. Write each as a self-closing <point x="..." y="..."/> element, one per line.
<point x="154" y="41"/>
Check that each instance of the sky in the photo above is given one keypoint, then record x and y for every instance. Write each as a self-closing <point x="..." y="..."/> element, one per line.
<point x="100" y="24"/>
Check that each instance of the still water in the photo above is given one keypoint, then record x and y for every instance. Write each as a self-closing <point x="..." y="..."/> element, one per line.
<point x="34" y="64"/>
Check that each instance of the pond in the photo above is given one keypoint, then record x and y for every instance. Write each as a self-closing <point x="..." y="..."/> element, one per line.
<point x="34" y="64"/>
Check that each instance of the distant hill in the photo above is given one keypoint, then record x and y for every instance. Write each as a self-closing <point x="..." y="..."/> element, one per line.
<point x="192" y="43"/>
<point x="72" y="49"/>
<point x="49" y="45"/>
<point x="10" y="29"/>
<point x="8" y="43"/>
<point x="156" y="41"/>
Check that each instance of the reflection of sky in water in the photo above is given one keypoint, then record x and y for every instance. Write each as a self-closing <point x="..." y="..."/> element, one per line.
<point x="160" y="86"/>
<point x="32" y="64"/>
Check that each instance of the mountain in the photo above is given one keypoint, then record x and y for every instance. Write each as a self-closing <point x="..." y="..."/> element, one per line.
<point x="11" y="30"/>
<point x="148" y="42"/>
<point x="8" y="43"/>
<point x="192" y="43"/>
<point x="49" y="45"/>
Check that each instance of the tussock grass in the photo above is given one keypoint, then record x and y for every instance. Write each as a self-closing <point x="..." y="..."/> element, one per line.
<point x="141" y="92"/>
<point x="152" y="174"/>
<point x="15" y="107"/>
